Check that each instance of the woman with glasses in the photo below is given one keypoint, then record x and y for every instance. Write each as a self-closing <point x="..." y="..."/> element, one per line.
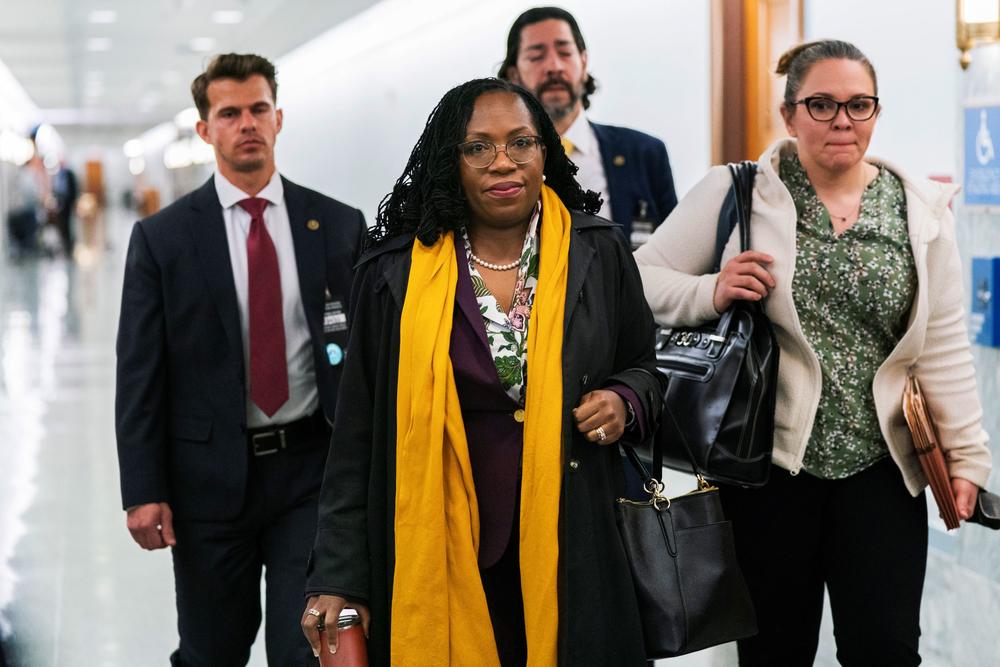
<point x="500" y="345"/>
<point x="857" y="267"/>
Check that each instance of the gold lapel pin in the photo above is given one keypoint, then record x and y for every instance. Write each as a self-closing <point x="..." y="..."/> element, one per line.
<point x="619" y="160"/>
<point x="313" y="225"/>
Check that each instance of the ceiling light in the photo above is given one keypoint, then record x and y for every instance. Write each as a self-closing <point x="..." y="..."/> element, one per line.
<point x="99" y="44"/>
<point x="133" y="148"/>
<point x="103" y="16"/>
<point x="227" y="16"/>
<point x="187" y="118"/>
<point x="136" y="166"/>
<point x="202" y="44"/>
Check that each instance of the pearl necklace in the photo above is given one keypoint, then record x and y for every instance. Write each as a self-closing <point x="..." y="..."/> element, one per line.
<point x="491" y="265"/>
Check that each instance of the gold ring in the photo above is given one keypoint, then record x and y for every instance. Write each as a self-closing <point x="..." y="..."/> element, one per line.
<point x="601" y="434"/>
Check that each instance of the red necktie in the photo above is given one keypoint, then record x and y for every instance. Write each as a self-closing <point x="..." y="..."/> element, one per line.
<point x="268" y="367"/>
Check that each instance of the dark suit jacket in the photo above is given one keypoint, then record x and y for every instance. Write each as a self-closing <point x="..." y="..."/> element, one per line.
<point x="639" y="178"/>
<point x="180" y="410"/>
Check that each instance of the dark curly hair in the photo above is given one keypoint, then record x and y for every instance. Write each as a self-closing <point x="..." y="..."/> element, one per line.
<point x="428" y="199"/>
<point x="537" y="15"/>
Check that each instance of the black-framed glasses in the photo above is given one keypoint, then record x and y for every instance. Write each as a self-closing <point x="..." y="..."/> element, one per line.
<point x="825" y="109"/>
<point x="480" y="154"/>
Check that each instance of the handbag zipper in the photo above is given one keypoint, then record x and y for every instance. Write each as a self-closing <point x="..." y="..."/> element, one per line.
<point x="680" y="364"/>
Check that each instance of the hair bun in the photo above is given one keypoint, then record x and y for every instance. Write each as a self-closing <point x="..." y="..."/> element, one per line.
<point x="789" y="56"/>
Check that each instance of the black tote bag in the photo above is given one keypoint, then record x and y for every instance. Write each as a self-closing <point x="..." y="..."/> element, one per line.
<point x="688" y="583"/>
<point x="718" y="409"/>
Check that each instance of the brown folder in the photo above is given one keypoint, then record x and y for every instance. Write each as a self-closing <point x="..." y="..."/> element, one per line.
<point x="929" y="453"/>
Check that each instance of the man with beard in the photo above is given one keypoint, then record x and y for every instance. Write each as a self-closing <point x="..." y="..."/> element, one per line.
<point x="547" y="55"/>
<point x="232" y="331"/>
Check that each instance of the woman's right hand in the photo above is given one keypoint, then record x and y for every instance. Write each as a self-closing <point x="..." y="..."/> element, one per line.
<point x="743" y="277"/>
<point x="329" y="608"/>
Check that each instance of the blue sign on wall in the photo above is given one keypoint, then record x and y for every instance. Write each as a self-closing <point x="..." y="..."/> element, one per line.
<point x="982" y="156"/>
<point x="984" y="319"/>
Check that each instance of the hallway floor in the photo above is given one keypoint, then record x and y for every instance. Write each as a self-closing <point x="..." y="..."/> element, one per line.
<point x="75" y="590"/>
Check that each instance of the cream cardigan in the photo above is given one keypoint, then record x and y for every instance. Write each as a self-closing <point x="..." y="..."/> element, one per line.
<point x="675" y="266"/>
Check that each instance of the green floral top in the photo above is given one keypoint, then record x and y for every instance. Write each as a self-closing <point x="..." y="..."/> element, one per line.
<point x="853" y="295"/>
<point x="507" y="333"/>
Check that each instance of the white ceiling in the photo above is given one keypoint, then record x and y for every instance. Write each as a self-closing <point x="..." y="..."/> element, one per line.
<point x="145" y="74"/>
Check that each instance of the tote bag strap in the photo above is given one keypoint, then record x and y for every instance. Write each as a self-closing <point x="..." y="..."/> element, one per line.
<point x="735" y="209"/>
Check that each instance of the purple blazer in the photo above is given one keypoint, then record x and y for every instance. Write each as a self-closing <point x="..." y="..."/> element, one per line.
<point x="495" y="437"/>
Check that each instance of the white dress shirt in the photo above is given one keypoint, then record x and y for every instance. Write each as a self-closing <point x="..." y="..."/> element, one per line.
<point x="303" y="396"/>
<point x="587" y="156"/>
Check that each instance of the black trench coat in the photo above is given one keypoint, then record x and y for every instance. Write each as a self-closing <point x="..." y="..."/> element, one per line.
<point x="609" y="338"/>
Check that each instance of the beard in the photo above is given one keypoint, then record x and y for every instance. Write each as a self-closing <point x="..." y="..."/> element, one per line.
<point x="250" y="165"/>
<point x="555" y="110"/>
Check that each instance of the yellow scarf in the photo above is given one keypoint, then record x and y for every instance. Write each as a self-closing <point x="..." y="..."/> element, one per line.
<point x="439" y="612"/>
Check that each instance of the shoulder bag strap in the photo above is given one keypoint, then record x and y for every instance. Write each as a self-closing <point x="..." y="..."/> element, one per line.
<point x="735" y="209"/>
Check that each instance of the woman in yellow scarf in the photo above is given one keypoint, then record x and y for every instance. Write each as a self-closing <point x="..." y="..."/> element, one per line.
<point x="499" y="343"/>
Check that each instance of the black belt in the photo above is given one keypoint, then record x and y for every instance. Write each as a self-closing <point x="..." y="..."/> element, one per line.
<point x="279" y="437"/>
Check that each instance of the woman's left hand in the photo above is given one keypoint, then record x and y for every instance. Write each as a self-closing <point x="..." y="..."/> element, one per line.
<point x="601" y="412"/>
<point x="965" y="496"/>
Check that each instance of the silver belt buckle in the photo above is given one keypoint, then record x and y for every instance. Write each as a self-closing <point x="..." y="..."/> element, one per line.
<point x="258" y="441"/>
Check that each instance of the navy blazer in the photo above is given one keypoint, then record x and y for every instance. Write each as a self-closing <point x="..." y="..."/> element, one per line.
<point x="637" y="169"/>
<point x="180" y="404"/>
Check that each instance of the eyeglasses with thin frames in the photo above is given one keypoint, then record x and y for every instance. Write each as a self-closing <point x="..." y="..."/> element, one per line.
<point x="480" y="154"/>
<point x="824" y="109"/>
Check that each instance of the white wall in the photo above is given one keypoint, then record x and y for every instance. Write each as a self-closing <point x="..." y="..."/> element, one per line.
<point x="356" y="98"/>
<point x="912" y="45"/>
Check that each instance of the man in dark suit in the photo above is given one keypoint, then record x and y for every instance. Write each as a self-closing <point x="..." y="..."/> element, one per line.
<point x="232" y="330"/>
<point x="547" y="55"/>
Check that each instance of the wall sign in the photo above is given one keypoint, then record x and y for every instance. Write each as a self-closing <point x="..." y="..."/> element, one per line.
<point x="984" y="316"/>
<point x="981" y="182"/>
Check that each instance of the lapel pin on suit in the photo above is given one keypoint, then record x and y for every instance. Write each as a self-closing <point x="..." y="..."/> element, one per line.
<point x="313" y="225"/>
<point x="619" y="160"/>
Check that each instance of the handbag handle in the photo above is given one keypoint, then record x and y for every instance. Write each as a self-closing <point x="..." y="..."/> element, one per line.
<point x="743" y="174"/>
<point x="735" y="209"/>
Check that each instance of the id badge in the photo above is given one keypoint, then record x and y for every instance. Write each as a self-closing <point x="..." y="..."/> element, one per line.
<point x="334" y="328"/>
<point x="642" y="226"/>
<point x="641" y="231"/>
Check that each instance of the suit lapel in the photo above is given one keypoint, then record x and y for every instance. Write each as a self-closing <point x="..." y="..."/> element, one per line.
<point x="464" y="295"/>
<point x="310" y="251"/>
<point x="208" y="228"/>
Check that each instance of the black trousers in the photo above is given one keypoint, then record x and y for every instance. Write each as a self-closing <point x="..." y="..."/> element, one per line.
<point x="502" y="585"/>
<point x="217" y="567"/>
<point x="864" y="538"/>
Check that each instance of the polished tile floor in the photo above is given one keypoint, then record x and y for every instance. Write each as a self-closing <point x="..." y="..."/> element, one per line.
<point x="75" y="591"/>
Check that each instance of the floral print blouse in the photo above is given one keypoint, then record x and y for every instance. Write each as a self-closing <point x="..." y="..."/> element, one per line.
<point x="507" y="332"/>
<point x="853" y="294"/>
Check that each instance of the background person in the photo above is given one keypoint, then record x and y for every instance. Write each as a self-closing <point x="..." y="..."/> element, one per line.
<point x="500" y="341"/>
<point x="858" y="265"/>
<point x="547" y="55"/>
<point x="225" y="372"/>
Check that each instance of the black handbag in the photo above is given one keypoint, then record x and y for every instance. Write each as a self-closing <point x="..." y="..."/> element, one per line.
<point x="688" y="583"/>
<point x="718" y="409"/>
<point x="987" y="512"/>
